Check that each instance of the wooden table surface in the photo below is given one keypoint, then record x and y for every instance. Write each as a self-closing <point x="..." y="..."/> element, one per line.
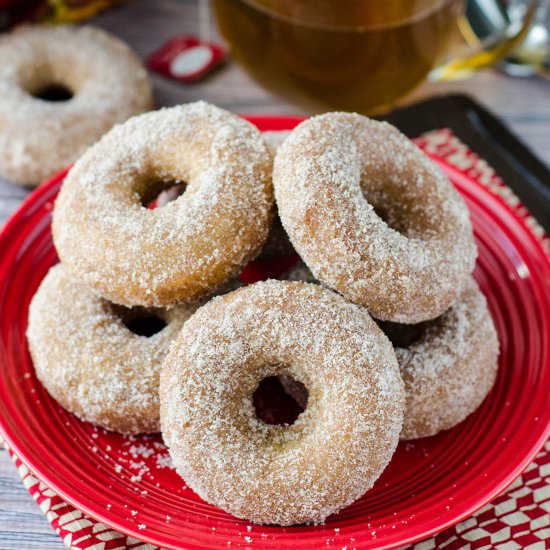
<point x="523" y="103"/>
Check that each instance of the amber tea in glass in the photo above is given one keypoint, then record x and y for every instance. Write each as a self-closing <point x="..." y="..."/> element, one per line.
<point x="357" y="55"/>
<point x="363" y="55"/>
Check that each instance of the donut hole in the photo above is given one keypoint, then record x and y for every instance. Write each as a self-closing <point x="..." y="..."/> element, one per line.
<point x="279" y="400"/>
<point x="145" y="326"/>
<point x="401" y="213"/>
<point x="403" y="336"/>
<point x="392" y="215"/>
<point x="159" y="193"/>
<point x="53" y="92"/>
<point x="140" y="321"/>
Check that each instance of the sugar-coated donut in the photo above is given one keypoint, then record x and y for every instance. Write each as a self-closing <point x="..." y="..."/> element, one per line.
<point x="450" y="365"/>
<point x="337" y="177"/>
<point x="133" y="255"/>
<point x="39" y="134"/>
<point x="281" y="474"/>
<point x="89" y="359"/>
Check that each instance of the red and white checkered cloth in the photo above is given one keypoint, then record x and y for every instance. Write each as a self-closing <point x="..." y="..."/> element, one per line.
<point x="518" y="519"/>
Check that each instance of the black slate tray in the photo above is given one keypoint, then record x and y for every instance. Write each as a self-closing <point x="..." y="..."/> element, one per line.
<point x="487" y="136"/>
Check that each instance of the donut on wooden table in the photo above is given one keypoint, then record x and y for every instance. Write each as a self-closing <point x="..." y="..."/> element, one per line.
<point x="61" y="89"/>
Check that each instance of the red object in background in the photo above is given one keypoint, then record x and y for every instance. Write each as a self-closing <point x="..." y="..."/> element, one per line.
<point x="186" y="58"/>
<point x="261" y="269"/>
<point x="429" y="484"/>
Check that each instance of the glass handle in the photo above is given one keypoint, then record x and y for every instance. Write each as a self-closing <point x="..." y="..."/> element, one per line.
<point x="487" y="51"/>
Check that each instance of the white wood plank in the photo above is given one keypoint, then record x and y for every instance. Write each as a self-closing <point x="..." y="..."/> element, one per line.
<point x="22" y="524"/>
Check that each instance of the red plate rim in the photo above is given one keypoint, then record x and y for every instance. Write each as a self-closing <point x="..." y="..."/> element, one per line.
<point x="275" y="122"/>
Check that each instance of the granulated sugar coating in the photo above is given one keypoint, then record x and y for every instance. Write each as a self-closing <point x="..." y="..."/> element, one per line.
<point x="450" y="370"/>
<point x="90" y="362"/>
<point x="107" y="81"/>
<point x="136" y="256"/>
<point x="281" y="474"/>
<point x="373" y="217"/>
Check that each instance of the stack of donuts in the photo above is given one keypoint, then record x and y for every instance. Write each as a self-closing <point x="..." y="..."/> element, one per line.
<point x="379" y="333"/>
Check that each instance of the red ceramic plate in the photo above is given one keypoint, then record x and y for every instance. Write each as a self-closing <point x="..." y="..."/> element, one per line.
<point x="429" y="484"/>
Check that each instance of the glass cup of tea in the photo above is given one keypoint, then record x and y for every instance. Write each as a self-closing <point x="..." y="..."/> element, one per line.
<point x="355" y="55"/>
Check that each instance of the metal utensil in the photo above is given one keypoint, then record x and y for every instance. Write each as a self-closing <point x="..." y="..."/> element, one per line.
<point x="488" y="18"/>
<point x="532" y="56"/>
